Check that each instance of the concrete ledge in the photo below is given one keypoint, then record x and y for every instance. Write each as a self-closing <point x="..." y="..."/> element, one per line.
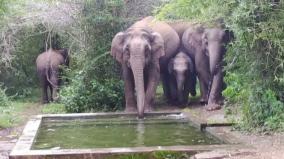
<point x="23" y="150"/>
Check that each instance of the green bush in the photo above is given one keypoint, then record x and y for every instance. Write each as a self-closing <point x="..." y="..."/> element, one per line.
<point x="255" y="60"/>
<point x="54" y="108"/>
<point x="97" y="96"/>
<point x="4" y="100"/>
<point x="96" y="85"/>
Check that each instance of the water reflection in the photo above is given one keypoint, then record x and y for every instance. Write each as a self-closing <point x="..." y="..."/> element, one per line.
<point x="140" y="133"/>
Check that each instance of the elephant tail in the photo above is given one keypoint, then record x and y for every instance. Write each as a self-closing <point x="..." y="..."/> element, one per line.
<point x="47" y="74"/>
<point x="49" y="69"/>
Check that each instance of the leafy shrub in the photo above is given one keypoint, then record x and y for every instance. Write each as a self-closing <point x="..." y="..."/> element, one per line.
<point x="95" y="85"/>
<point x="54" y="108"/>
<point x="4" y="100"/>
<point x="255" y="72"/>
<point x="106" y="96"/>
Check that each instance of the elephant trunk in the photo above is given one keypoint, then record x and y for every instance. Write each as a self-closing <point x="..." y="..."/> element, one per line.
<point x="137" y="69"/>
<point x="215" y="56"/>
<point x="180" y="86"/>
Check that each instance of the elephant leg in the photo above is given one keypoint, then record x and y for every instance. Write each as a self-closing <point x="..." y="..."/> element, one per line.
<point x="203" y="73"/>
<point x="215" y="96"/>
<point x="166" y="87"/>
<point x="204" y="84"/>
<point x="129" y="90"/>
<point x="54" y="84"/>
<point x="44" y="86"/>
<point x="152" y="83"/>
<point x="44" y="92"/>
<point x="165" y="79"/>
<point x="187" y="88"/>
<point x="173" y="90"/>
<point x="191" y="84"/>
<point x="51" y="92"/>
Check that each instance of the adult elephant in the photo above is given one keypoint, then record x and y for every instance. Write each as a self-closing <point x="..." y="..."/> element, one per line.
<point x="207" y="47"/>
<point x="180" y="26"/>
<point x="182" y="79"/>
<point x="144" y="51"/>
<point x="49" y="69"/>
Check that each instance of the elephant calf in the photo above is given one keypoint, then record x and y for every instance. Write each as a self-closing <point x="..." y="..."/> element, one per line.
<point x="49" y="70"/>
<point x="182" y="78"/>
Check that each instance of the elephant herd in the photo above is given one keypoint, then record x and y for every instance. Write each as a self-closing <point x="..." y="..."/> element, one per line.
<point x="175" y="53"/>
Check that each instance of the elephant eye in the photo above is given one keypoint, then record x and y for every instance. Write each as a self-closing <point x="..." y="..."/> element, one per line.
<point x="147" y="51"/>
<point x="147" y="48"/>
<point x="126" y="48"/>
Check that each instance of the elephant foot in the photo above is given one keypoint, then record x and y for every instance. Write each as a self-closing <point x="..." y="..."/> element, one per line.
<point x="184" y="105"/>
<point x="212" y="107"/>
<point x="130" y="109"/>
<point x="203" y="101"/>
<point x="181" y="104"/>
<point x="221" y="100"/>
<point x="174" y="103"/>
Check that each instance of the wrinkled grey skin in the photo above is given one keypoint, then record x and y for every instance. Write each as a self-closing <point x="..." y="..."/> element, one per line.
<point x="49" y="69"/>
<point x="143" y="50"/>
<point x="207" y="47"/>
<point x="182" y="78"/>
<point x="180" y="26"/>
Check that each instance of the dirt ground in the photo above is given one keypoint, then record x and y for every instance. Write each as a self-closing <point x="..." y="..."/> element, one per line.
<point x="260" y="146"/>
<point x="9" y="136"/>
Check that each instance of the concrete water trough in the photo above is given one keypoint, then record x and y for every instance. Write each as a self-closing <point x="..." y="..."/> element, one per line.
<point x="86" y="135"/>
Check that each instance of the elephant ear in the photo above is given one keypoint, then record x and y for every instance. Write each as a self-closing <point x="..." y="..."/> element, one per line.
<point x="229" y="36"/>
<point x="192" y="38"/>
<point x="157" y="45"/>
<point x="65" y="53"/>
<point x="117" y="46"/>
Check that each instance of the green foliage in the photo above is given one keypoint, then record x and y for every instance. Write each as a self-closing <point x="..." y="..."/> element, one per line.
<point x="3" y="7"/>
<point x="4" y="100"/>
<point x="21" y="77"/>
<point x="95" y="85"/>
<point x="170" y="155"/>
<point x="54" y="108"/>
<point x="9" y="115"/>
<point x="96" y="96"/>
<point x="255" y="60"/>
